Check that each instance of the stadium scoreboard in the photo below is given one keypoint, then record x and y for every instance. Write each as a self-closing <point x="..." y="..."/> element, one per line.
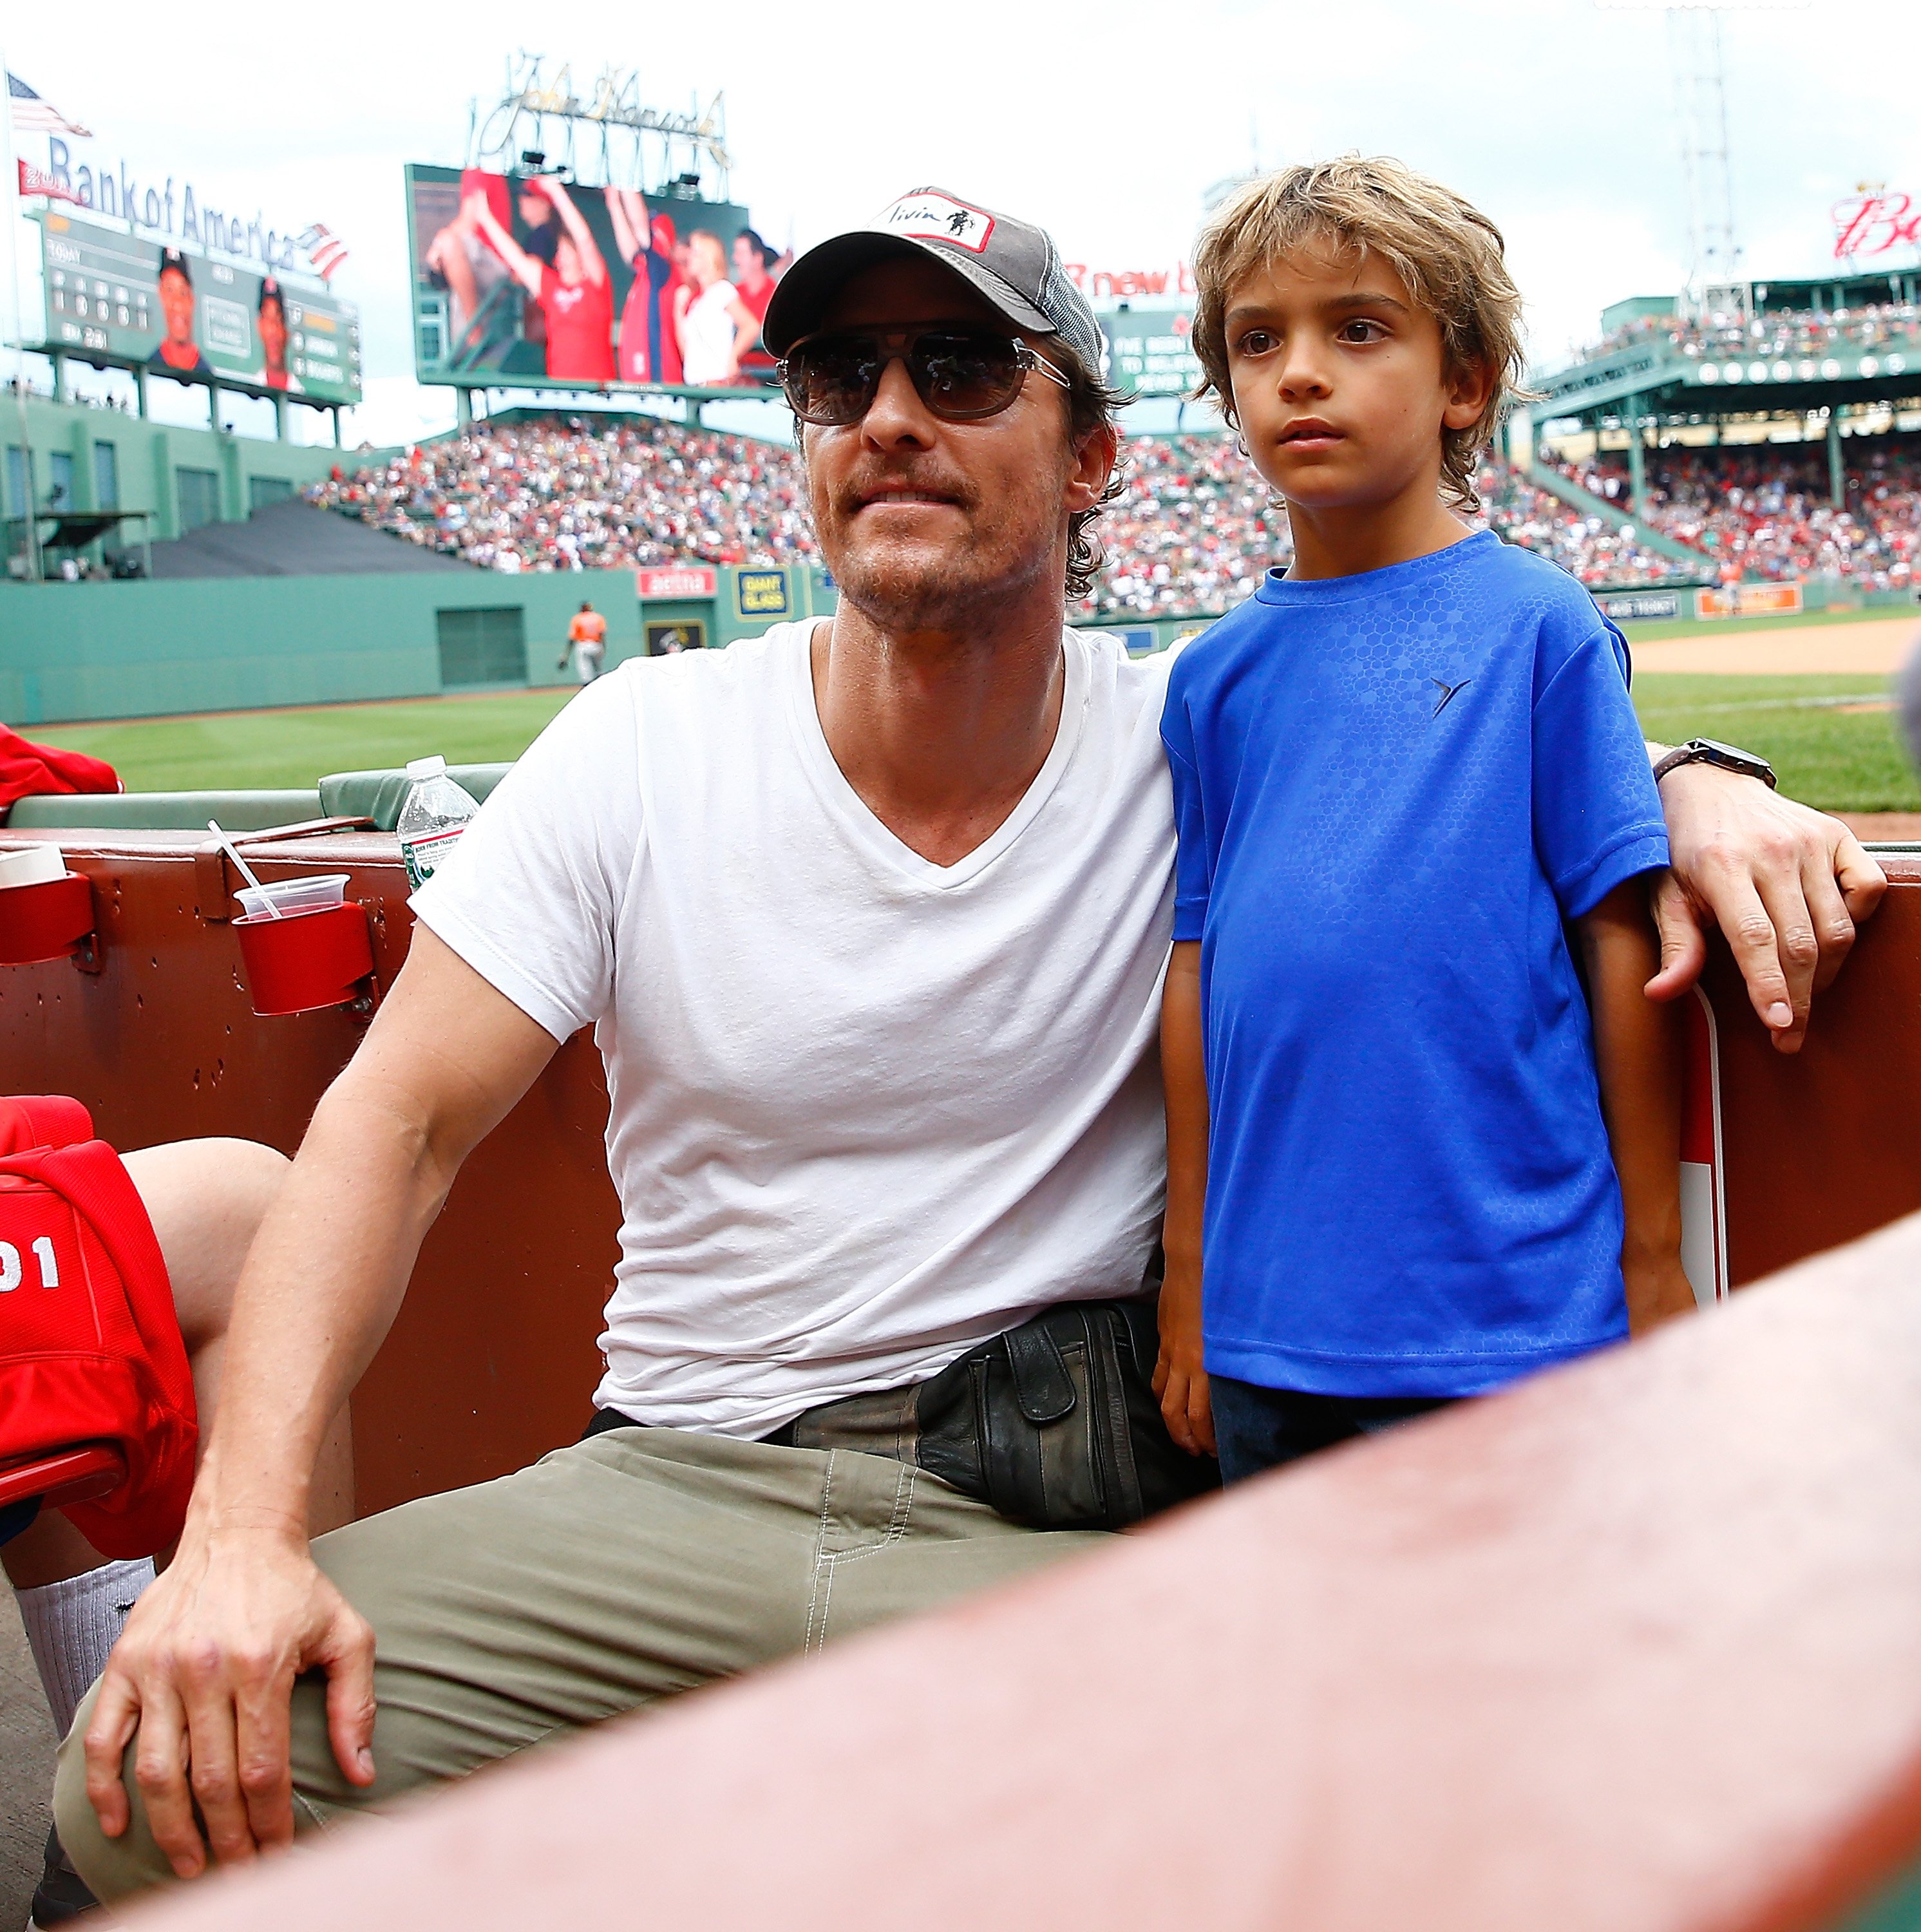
<point x="104" y="299"/>
<point x="1149" y="351"/>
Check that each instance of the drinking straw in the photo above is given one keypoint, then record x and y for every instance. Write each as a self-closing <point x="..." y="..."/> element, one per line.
<point x="246" y="870"/>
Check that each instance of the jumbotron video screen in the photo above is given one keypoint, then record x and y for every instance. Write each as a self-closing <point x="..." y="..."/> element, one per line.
<point x="530" y="280"/>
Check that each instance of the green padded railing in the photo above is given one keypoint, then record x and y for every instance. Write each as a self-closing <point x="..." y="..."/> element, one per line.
<point x="162" y="811"/>
<point x="380" y="795"/>
<point x="375" y="795"/>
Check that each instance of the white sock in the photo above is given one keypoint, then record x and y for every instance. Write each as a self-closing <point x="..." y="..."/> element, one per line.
<point x="71" y="1626"/>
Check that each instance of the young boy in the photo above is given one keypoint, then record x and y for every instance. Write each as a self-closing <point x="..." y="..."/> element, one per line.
<point x="1400" y="771"/>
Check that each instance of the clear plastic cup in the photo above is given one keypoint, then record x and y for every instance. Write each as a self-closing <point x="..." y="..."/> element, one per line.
<point x="31" y="865"/>
<point x="283" y="898"/>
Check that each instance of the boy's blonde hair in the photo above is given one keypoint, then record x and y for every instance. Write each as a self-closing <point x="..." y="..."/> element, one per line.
<point x="1449" y="254"/>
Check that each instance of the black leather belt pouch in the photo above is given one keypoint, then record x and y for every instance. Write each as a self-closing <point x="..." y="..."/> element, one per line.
<point x="1056" y="1425"/>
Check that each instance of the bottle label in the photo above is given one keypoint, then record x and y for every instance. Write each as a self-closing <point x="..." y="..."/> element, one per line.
<point x="424" y="853"/>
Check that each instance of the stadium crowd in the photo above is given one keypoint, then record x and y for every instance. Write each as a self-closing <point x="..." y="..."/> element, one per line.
<point x="561" y="496"/>
<point x="1763" y="508"/>
<point x="1191" y="532"/>
<point x="1792" y="333"/>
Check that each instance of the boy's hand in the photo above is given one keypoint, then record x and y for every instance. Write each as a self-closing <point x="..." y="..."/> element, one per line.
<point x="1658" y="1290"/>
<point x="1179" y="1378"/>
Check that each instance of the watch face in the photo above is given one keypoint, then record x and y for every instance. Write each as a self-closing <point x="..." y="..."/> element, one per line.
<point x="1731" y="758"/>
<point x="1731" y="751"/>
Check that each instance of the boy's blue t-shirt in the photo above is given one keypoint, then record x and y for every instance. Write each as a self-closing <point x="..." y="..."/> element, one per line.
<point x="1391" y="791"/>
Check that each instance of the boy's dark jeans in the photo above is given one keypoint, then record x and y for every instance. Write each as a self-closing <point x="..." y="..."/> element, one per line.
<point x="1258" y="1428"/>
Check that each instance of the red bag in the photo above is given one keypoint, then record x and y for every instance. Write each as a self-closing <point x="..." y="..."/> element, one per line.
<point x="90" y="1347"/>
<point x="27" y="768"/>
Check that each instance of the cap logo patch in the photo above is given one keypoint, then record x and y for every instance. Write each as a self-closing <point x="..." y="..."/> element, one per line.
<point x="927" y="217"/>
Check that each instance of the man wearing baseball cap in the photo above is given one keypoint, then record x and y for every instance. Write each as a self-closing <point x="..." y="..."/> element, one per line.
<point x="869" y="916"/>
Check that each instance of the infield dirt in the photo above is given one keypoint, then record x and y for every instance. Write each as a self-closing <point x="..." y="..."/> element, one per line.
<point x="1878" y="647"/>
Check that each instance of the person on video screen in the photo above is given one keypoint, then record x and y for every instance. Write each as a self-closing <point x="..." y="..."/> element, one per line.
<point x="179" y="354"/>
<point x="458" y="258"/>
<point x="666" y="315"/>
<point x="646" y="243"/>
<point x="574" y="293"/>
<point x="716" y="328"/>
<point x="271" y="320"/>
<point x="755" y="270"/>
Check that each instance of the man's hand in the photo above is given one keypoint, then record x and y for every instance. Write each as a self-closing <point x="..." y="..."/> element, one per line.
<point x="1787" y="885"/>
<point x="203" y="1674"/>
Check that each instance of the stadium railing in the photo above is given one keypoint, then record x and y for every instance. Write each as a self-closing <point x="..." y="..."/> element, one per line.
<point x="1633" y="1646"/>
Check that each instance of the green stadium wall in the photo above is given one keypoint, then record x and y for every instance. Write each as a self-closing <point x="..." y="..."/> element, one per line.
<point x="147" y="460"/>
<point x="70" y="652"/>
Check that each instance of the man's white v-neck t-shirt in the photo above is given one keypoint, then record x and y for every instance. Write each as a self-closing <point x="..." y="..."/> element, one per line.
<point x="867" y="1110"/>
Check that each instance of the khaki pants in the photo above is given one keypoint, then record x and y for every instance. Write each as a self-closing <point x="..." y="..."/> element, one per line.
<point x="635" y="1565"/>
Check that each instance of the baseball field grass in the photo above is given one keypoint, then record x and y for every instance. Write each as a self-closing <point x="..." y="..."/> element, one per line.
<point x="246" y="750"/>
<point x="1831" y="737"/>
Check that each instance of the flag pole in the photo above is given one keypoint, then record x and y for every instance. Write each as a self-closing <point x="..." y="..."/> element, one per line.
<point x="12" y="218"/>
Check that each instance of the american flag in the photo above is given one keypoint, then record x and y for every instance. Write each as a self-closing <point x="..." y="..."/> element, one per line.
<point x="33" y="115"/>
<point x="325" y="250"/>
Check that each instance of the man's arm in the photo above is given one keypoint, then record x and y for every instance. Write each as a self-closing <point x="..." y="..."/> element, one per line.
<point x="205" y="1670"/>
<point x="627" y="231"/>
<point x="1180" y="1378"/>
<point x="746" y="333"/>
<point x="520" y="265"/>
<point x="1637" y="1059"/>
<point x="1787" y="885"/>
<point x="575" y="224"/>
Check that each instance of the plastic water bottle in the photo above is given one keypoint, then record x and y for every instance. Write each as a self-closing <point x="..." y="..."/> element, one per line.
<point x="435" y="814"/>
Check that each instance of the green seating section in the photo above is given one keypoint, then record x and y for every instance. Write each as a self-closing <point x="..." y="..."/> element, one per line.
<point x="380" y="795"/>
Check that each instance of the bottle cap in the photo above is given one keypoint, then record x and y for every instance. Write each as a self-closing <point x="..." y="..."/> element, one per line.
<point x="435" y="767"/>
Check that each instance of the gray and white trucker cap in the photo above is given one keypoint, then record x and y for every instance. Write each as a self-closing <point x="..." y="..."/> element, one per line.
<point x="1015" y="265"/>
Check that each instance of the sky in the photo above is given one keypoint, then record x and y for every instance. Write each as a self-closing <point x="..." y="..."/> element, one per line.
<point x="1105" y="123"/>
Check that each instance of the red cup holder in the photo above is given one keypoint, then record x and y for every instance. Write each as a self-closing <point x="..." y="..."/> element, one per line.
<point x="46" y="921"/>
<point x="307" y="959"/>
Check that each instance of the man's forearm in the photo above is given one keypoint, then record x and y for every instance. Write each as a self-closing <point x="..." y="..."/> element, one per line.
<point x="318" y="1291"/>
<point x="445" y="1058"/>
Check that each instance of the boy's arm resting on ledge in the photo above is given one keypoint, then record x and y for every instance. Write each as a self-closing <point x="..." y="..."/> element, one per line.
<point x="1786" y="884"/>
<point x="1179" y="1379"/>
<point x="1637" y="1048"/>
<point x="205" y="1670"/>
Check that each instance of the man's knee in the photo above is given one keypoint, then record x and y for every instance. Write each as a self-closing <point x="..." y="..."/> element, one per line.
<point x="112" y="1867"/>
<point x="206" y="1199"/>
<point x="115" y="1868"/>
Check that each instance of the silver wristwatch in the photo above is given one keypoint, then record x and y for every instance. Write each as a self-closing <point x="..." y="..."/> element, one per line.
<point x="1712" y="751"/>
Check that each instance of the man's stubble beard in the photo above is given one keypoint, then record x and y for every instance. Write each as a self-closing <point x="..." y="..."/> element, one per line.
<point x="904" y="596"/>
<point x="953" y="590"/>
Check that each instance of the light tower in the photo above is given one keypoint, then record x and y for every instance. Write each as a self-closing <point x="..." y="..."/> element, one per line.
<point x="1716" y="285"/>
<point x="1718" y="289"/>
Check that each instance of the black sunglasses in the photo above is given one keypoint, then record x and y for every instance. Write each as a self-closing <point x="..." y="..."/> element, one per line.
<point x="962" y="374"/>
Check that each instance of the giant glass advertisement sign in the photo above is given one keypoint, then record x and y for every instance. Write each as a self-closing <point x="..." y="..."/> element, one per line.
<point x="125" y="298"/>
